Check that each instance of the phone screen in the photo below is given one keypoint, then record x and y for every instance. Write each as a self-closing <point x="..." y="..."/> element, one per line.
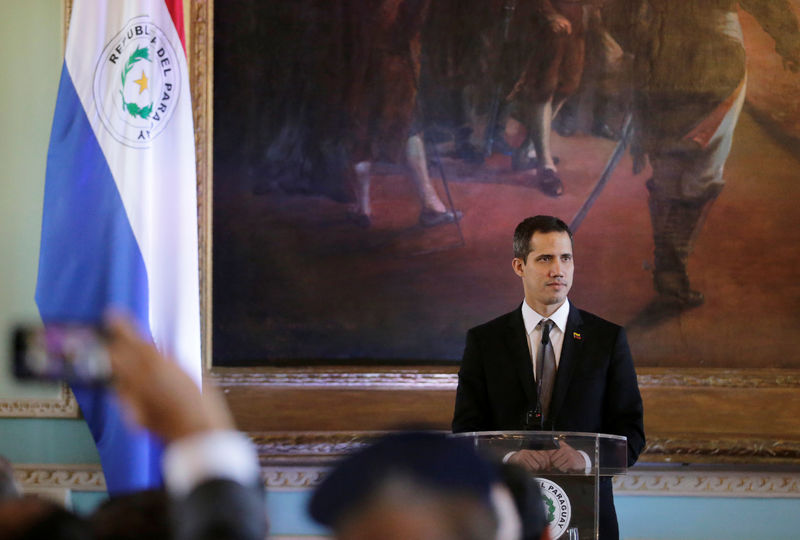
<point x="74" y="353"/>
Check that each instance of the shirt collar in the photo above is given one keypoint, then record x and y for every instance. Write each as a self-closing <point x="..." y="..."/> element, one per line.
<point x="531" y="318"/>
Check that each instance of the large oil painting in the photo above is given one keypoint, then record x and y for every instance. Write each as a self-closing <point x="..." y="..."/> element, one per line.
<point x="371" y="159"/>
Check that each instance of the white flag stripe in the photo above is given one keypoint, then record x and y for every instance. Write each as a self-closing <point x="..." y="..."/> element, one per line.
<point x="156" y="183"/>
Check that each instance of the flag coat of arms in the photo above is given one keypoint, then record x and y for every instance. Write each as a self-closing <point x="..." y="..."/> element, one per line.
<point x="119" y="226"/>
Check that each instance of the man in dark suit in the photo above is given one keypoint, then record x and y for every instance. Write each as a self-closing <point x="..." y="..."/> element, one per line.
<point x="593" y="385"/>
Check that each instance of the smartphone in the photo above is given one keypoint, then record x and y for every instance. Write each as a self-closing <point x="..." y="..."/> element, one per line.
<point x="71" y="352"/>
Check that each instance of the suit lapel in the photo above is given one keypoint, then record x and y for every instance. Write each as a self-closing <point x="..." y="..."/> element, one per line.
<point x="517" y="345"/>
<point x="571" y="355"/>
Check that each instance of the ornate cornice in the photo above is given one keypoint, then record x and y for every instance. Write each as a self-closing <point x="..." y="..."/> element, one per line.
<point x="314" y="446"/>
<point x="293" y="478"/>
<point x="722" y="378"/>
<point x="722" y="449"/>
<point x="75" y="477"/>
<point x="709" y="484"/>
<point x="426" y="378"/>
<point x="429" y="378"/>
<point x="64" y="406"/>
<point x="319" y="446"/>
<point x="682" y="483"/>
<point x="446" y="378"/>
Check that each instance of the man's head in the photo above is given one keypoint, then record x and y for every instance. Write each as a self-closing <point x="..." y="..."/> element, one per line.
<point x="543" y="259"/>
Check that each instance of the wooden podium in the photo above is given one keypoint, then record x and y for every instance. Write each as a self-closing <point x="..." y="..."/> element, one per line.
<point x="570" y="498"/>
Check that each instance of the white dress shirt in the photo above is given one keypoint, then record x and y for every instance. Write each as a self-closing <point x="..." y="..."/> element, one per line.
<point x="227" y="455"/>
<point x="533" y="332"/>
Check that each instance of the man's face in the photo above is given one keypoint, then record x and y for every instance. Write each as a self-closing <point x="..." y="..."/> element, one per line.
<point x="547" y="273"/>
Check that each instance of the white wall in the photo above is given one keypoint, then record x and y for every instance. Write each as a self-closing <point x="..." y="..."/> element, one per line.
<point x="30" y="65"/>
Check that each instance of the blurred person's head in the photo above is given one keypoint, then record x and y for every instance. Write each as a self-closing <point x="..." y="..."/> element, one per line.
<point x="528" y="501"/>
<point x="9" y="489"/>
<point x="402" y="509"/>
<point x="412" y="486"/>
<point x="32" y="518"/>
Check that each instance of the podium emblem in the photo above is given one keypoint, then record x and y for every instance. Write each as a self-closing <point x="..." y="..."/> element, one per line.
<point x="557" y="508"/>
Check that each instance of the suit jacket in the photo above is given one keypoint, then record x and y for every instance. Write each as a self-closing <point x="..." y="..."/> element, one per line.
<point x="595" y="389"/>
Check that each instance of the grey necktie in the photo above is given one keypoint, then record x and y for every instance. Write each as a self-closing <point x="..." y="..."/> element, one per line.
<point x="545" y="368"/>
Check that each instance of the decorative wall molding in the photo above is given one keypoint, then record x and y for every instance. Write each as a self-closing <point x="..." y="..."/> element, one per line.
<point x="320" y="446"/>
<point x="432" y="378"/>
<point x="422" y="378"/>
<point x="711" y="422"/>
<point x="684" y="483"/>
<point x="293" y="478"/>
<point x="309" y="446"/>
<point x="739" y="449"/>
<point x="74" y="477"/>
<point x="335" y="444"/>
<point x="446" y="377"/>
<point x="709" y="484"/>
<point x="720" y="378"/>
<point x="63" y="406"/>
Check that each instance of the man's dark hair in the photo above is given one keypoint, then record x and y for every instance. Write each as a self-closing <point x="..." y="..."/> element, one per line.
<point x="525" y="230"/>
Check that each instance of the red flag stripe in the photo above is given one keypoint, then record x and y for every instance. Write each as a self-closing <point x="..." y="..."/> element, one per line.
<point x="175" y="8"/>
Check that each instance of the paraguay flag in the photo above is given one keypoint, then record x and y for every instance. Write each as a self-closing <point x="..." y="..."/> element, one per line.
<point x="119" y="225"/>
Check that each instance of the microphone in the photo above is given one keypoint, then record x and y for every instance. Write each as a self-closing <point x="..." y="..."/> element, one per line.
<point x="533" y="419"/>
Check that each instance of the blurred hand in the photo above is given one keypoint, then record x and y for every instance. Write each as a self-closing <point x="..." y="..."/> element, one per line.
<point x="567" y="459"/>
<point x="531" y="460"/>
<point x="559" y="24"/>
<point x="156" y="392"/>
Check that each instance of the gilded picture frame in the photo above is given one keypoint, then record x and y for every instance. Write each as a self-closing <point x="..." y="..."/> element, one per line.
<point x="692" y="414"/>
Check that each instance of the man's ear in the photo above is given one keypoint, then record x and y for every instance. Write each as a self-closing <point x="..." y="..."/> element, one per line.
<point x="518" y="265"/>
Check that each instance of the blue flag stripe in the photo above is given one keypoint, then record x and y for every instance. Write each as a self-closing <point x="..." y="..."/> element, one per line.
<point x="86" y="237"/>
<point x="89" y="260"/>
